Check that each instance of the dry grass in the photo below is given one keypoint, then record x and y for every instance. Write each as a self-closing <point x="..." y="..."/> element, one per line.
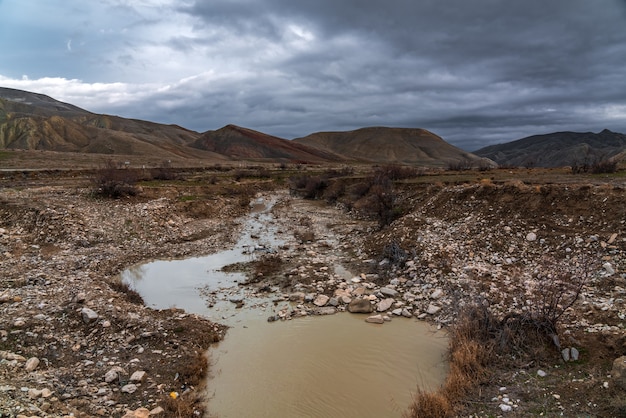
<point x="470" y="348"/>
<point x="131" y="295"/>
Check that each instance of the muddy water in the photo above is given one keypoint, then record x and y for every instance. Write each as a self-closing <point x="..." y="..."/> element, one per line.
<point x="328" y="366"/>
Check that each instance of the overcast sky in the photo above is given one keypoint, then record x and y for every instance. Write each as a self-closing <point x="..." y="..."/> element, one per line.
<point x="476" y="72"/>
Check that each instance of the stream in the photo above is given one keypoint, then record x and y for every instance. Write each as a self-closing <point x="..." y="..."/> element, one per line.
<point x="322" y="366"/>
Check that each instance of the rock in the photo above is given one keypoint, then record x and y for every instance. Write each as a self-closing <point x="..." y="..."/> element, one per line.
<point x="31" y="364"/>
<point x="574" y="354"/>
<point x="111" y="376"/>
<point x="375" y="319"/>
<point x="565" y="354"/>
<point x="608" y="268"/>
<point x="326" y="310"/>
<point x="34" y="393"/>
<point x="333" y="302"/>
<point x="406" y="313"/>
<point x="138" y="376"/>
<point x="619" y="372"/>
<point x="156" y="411"/>
<point x="432" y="309"/>
<point x="437" y="293"/>
<point x="505" y="408"/>
<point x="345" y="299"/>
<point x="397" y="311"/>
<point x="531" y="236"/>
<point x="612" y="238"/>
<point x="296" y="297"/>
<point x="541" y="373"/>
<point x="129" y="388"/>
<point x="384" y="304"/>
<point x="89" y="315"/>
<point x="321" y="300"/>
<point x="392" y="293"/>
<point x="360" y="306"/>
<point x="46" y="393"/>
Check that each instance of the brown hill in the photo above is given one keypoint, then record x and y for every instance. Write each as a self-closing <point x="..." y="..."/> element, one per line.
<point x="390" y="145"/>
<point x="30" y="121"/>
<point x="558" y="149"/>
<point x="247" y="144"/>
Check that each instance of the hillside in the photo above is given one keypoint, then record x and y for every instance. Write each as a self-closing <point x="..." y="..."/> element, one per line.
<point x="557" y="149"/>
<point x="390" y="145"/>
<point x="30" y="121"/>
<point x="246" y="144"/>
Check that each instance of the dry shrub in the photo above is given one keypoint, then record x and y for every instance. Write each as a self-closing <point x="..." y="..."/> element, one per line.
<point x="304" y="235"/>
<point x="111" y="181"/>
<point x="131" y="295"/>
<point x="429" y="405"/>
<point x="191" y="404"/>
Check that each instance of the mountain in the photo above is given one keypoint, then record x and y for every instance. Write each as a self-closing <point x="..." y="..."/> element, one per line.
<point x="390" y="145"/>
<point x="246" y="144"/>
<point x="31" y="121"/>
<point x="557" y="149"/>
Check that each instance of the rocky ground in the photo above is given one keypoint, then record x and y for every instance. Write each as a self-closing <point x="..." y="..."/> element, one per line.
<point x="75" y="342"/>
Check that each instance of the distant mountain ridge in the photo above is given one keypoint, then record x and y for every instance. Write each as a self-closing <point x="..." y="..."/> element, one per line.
<point x="557" y="149"/>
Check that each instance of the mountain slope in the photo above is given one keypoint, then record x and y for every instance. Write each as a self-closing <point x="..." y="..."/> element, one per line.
<point x="557" y="149"/>
<point x="390" y="145"/>
<point x="30" y="121"/>
<point x="242" y="143"/>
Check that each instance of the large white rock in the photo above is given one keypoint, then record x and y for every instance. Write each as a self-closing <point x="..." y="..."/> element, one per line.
<point x="321" y="300"/>
<point x="384" y="304"/>
<point x="432" y="309"/>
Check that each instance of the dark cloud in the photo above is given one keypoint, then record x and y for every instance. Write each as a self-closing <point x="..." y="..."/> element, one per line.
<point x="475" y="72"/>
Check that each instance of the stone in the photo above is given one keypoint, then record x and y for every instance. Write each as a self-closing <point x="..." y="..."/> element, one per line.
<point x="612" y="238"/>
<point x="531" y="236"/>
<point x="397" y="311"/>
<point x="138" y="376"/>
<point x="437" y="293"/>
<point x="296" y="297"/>
<point x="46" y="393"/>
<point x="111" y="376"/>
<point x="321" y="300"/>
<point x="325" y="310"/>
<point x="333" y="301"/>
<point x="89" y="315"/>
<point x="574" y="354"/>
<point x="619" y="371"/>
<point x="375" y="319"/>
<point x="392" y="293"/>
<point x="31" y="364"/>
<point x="565" y="354"/>
<point x="129" y="388"/>
<point x="34" y="393"/>
<point x="360" y="306"/>
<point x="541" y="373"/>
<point x="608" y="268"/>
<point x="406" y="313"/>
<point x="156" y="411"/>
<point x="384" y="304"/>
<point x="505" y="408"/>
<point x="432" y="309"/>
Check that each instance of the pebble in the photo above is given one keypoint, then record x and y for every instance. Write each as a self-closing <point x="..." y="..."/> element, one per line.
<point x="31" y="364"/>
<point x="375" y="319"/>
<point x="541" y="373"/>
<point x="129" y="388"/>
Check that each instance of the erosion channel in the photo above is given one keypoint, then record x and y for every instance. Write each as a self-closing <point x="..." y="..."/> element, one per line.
<point x="314" y="362"/>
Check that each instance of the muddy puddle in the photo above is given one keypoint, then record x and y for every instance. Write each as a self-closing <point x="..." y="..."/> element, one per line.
<point x="323" y="366"/>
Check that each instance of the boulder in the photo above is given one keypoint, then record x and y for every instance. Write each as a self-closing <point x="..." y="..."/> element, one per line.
<point x="392" y="293"/>
<point x="321" y="300"/>
<point x="360" y="306"/>
<point x="384" y="304"/>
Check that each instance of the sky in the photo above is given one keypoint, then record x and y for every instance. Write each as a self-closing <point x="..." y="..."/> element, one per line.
<point x="475" y="72"/>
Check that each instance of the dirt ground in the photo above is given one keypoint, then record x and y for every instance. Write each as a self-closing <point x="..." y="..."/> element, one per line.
<point x="61" y="249"/>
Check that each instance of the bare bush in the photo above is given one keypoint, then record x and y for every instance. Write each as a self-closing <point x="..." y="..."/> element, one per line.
<point x="111" y="181"/>
<point x="399" y="172"/>
<point x="309" y="187"/>
<point x="304" y="235"/>
<point x="460" y="165"/>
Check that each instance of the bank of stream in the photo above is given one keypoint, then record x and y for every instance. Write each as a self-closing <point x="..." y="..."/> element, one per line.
<point x="323" y="366"/>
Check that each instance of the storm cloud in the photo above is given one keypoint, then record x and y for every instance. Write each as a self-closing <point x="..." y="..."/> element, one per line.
<point x="475" y="72"/>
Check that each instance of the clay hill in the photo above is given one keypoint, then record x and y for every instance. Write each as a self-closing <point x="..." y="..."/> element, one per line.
<point x="31" y="121"/>
<point x="558" y="149"/>
<point x="385" y="145"/>
<point x="246" y="144"/>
